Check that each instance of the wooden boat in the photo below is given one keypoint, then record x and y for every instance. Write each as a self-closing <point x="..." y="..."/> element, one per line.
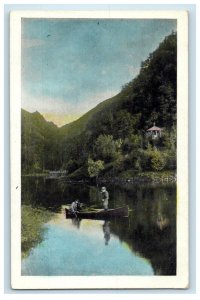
<point x="98" y="213"/>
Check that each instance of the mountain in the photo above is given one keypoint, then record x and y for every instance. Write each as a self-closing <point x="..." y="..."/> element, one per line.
<point x="152" y="93"/>
<point x="39" y="142"/>
<point x="147" y="99"/>
<point x="113" y="131"/>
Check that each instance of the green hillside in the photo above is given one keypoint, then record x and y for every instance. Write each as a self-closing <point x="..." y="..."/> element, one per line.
<point x="77" y="127"/>
<point x="110" y="139"/>
<point x="39" y="140"/>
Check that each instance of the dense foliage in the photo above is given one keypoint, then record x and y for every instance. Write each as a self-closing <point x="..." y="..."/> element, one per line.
<point x="114" y="132"/>
<point x="39" y="142"/>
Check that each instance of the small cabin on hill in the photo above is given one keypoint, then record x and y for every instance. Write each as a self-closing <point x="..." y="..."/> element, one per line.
<point x="155" y="132"/>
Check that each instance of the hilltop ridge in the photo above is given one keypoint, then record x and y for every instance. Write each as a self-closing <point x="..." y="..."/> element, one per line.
<point x="114" y="130"/>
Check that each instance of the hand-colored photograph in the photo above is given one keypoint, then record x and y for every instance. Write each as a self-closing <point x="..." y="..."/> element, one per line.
<point x="98" y="147"/>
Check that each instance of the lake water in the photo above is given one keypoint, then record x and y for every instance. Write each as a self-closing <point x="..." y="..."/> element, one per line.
<point x="142" y="244"/>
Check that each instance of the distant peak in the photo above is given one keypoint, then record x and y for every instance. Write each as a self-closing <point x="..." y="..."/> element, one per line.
<point x="38" y="116"/>
<point x="36" y="113"/>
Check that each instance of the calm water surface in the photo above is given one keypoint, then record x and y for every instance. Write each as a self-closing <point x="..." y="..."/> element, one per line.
<point x="143" y="244"/>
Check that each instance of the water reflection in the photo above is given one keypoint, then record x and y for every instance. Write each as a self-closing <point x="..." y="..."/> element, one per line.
<point x="76" y="222"/>
<point x="150" y="229"/>
<point x="106" y="231"/>
<point x="161" y="206"/>
<point x="82" y="252"/>
<point x="162" y="221"/>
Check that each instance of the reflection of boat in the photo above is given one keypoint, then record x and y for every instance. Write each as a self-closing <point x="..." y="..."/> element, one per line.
<point x="98" y="213"/>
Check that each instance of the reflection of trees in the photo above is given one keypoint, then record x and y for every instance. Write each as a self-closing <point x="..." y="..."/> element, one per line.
<point x="151" y="228"/>
<point x="159" y="210"/>
<point x="158" y="246"/>
<point x="51" y="193"/>
<point x="40" y="192"/>
<point x="162" y="221"/>
<point x="151" y="231"/>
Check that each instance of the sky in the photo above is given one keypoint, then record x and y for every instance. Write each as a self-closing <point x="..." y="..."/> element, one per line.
<point x="69" y="66"/>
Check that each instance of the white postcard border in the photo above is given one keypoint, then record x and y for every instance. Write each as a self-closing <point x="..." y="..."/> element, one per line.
<point x="100" y="282"/>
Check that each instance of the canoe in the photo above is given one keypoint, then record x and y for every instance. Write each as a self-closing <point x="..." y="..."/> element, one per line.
<point x="98" y="213"/>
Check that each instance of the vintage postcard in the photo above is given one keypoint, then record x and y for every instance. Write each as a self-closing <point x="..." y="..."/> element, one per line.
<point x="99" y="160"/>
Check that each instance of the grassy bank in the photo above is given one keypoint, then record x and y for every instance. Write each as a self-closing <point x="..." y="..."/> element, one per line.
<point x="32" y="231"/>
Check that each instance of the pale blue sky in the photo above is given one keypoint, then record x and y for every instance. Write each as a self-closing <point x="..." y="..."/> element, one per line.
<point x="69" y="66"/>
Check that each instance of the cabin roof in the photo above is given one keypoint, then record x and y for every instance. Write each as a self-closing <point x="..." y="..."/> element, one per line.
<point x="154" y="128"/>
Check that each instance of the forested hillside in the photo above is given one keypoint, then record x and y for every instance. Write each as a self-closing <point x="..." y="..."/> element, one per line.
<point x="111" y="139"/>
<point x="40" y="143"/>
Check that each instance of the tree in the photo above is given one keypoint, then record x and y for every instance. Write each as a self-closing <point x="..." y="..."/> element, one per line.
<point x="124" y="124"/>
<point x="158" y="160"/>
<point x="132" y="143"/>
<point x="94" y="167"/>
<point x="169" y="139"/>
<point x="106" y="148"/>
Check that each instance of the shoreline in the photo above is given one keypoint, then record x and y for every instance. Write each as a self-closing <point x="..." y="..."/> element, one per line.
<point x="141" y="177"/>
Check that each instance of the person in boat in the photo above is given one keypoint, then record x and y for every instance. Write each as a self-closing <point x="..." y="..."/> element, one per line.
<point x="79" y="205"/>
<point x="75" y="206"/>
<point x="105" y="197"/>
